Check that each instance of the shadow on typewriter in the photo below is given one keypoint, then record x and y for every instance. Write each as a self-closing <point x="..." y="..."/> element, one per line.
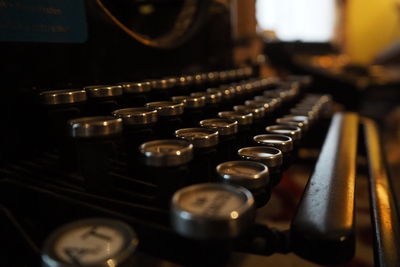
<point x="182" y="169"/>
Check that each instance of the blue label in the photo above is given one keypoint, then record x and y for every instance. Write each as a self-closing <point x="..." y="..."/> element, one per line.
<point x="52" y="21"/>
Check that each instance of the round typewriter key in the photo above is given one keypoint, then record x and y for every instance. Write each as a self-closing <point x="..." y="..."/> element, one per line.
<point x="270" y="156"/>
<point x="257" y="111"/>
<point x="312" y="116"/>
<point x="92" y="127"/>
<point x="292" y="131"/>
<point x="213" y="101"/>
<point x="205" y="142"/>
<point x="212" y="211"/>
<point x="136" y="116"/>
<point x="227" y="131"/>
<point x="139" y="127"/>
<point x="63" y="97"/>
<point x="167" y="108"/>
<point x="161" y="88"/>
<point x="182" y="85"/>
<point x="264" y="104"/>
<point x="59" y="106"/>
<point x="199" y="137"/>
<point x="166" y="153"/>
<point x="170" y="117"/>
<point x="135" y="93"/>
<point x="245" y="122"/>
<point x="282" y="142"/>
<point x="91" y="242"/>
<point x="274" y="103"/>
<point x="250" y="174"/>
<point x="243" y="118"/>
<point x="166" y="163"/>
<point x="287" y="121"/>
<point x="193" y="108"/>
<point x="259" y="115"/>
<point x="96" y="141"/>
<point x="103" y="99"/>
<point x="224" y="127"/>
<point x="227" y="93"/>
<point x="303" y="119"/>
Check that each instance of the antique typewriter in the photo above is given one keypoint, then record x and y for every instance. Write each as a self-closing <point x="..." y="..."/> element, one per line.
<point x="132" y="149"/>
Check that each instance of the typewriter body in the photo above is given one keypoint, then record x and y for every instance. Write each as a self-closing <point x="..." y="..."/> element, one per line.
<point x="141" y="142"/>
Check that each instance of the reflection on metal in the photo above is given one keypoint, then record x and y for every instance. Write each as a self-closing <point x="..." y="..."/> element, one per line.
<point x="323" y="228"/>
<point x="187" y="21"/>
<point x="384" y="214"/>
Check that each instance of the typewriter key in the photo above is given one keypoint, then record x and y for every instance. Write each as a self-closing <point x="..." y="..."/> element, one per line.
<point x="166" y="164"/>
<point x="245" y="122"/>
<point x="161" y="89"/>
<point x="169" y="117"/>
<point x="213" y="101"/>
<point x="61" y="106"/>
<point x="182" y="85"/>
<point x="303" y="119"/>
<point x="293" y="132"/>
<point x="205" y="142"/>
<point x="270" y="156"/>
<point x="227" y="93"/>
<point x="135" y="93"/>
<point x="63" y="97"/>
<point x="258" y="115"/>
<point x="227" y="131"/>
<point x="288" y="121"/>
<point x="251" y="175"/>
<point x="257" y="111"/>
<point x="103" y="99"/>
<point x="274" y="103"/>
<point x="312" y="116"/>
<point x="193" y="108"/>
<point x="212" y="211"/>
<point x="139" y="127"/>
<point x="212" y="78"/>
<point x="282" y="142"/>
<point x="264" y="104"/>
<point x="96" y="140"/>
<point x="91" y="242"/>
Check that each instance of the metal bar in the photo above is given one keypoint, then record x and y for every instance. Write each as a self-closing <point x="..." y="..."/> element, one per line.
<point x="384" y="213"/>
<point x="323" y="229"/>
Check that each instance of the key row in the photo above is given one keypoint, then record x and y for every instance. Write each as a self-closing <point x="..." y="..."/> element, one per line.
<point x="195" y="209"/>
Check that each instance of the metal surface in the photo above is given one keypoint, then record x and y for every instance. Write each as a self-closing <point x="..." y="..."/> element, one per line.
<point x="115" y="243"/>
<point x="212" y="211"/>
<point x="384" y="213"/>
<point x="100" y="91"/>
<point x="167" y="108"/>
<point x="136" y="87"/>
<point x="223" y="126"/>
<point x="270" y="156"/>
<point x="199" y="137"/>
<point x="166" y="152"/>
<point x="98" y="126"/>
<point x="323" y="227"/>
<point x="292" y="131"/>
<point x="258" y="112"/>
<point x="249" y="174"/>
<point x="136" y="116"/>
<point x="243" y="118"/>
<point x="282" y="142"/>
<point x="59" y="97"/>
<point x="190" y="101"/>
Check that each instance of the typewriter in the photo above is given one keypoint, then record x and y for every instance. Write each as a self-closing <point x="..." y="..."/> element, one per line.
<point x="135" y="150"/>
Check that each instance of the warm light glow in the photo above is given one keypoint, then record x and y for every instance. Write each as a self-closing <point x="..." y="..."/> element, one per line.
<point x="234" y="214"/>
<point x="292" y="20"/>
